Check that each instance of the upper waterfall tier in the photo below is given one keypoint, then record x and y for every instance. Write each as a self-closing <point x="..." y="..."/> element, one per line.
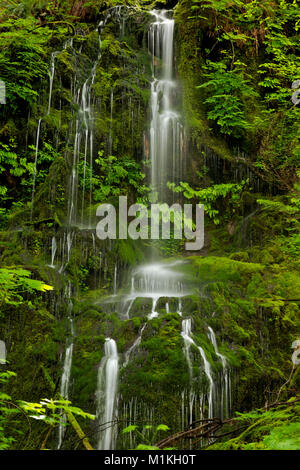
<point x="161" y="41"/>
<point x="157" y="280"/>
<point x="166" y="131"/>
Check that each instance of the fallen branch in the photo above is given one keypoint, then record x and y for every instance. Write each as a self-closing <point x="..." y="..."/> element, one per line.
<point x="69" y="25"/>
<point x="71" y="418"/>
<point x="209" y="426"/>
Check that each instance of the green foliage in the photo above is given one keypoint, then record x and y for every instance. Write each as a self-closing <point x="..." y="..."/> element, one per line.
<point x="274" y="429"/>
<point x="50" y="411"/>
<point x="12" y="164"/>
<point x="288" y="208"/>
<point x="5" y="411"/>
<point x="281" y="66"/>
<point x="245" y="60"/>
<point x="46" y="155"/>
<point x="146" y="447"/>
<point x="22" y="61"/>
<point x="15" y="282"/>
<point x="210" y="197"/>
<point x="130" y="428"/>
<point x="17" y="171"/>
<point x="218" y="268"/>
<point x="9" y="162"/>
<point x="235" y="51"/>
<point x="286" y="437"/>
<point x="141" y="434"/>
<point x="118" y="177"/>
<point x="227" y="91"/>
<point x="218" y="5"/>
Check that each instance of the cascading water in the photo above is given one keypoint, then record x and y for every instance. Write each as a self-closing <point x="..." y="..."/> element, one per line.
<point x="166" y="130"/>
<point x="51" y="78"/>
<point x="37" y="141"/>
<point x="225" y="400"/>
<point x="132" y="411"/>
<point x="158" y="280"/>
<point x="111" y="121"/>
<point x="83" y="145"/>
<point x="53" y="252"/>
<point x="179" y="309"/>
<point x="134" y="346"/>
<point x="208" y="373"/>
<point x="107" y="388"/>
<point x="188" y="341"/>
<point x="115" y="279"/>
<point x="81" y="141"/>
<point x="155" y="281"/>
<point x="65" y="379"/>
<point x="83" y="133"/>
<point x="186" y="335"/>
<point x="166" y="138"/>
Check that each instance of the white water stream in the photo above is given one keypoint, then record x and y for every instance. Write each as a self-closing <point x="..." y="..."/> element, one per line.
<point x="107" y="410"/>
<point x="225" y="401"/>
<point x="155" y="281"/>
<point x="65" y="378"/>
<point x="186" y="333"/>
<point x="166" y="130"/>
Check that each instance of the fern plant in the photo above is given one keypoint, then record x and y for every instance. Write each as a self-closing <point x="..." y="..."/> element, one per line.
<point x="227" y="89"/>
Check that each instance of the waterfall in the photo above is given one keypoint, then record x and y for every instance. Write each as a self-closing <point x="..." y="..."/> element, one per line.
<point x="134" y="347"/>
<point x="51" y="78"/>
<point x="65" y="380"/>
<point x="153" y="313"/>
<point x="53" y="251"/>
<point x="111" y="121"/>
<point x="179" y="309"/>
<point x="208" y="373"/>
<point x="115" y="278"/>
<point x="186" y="335"/>
<point x="156" y="280"/>
<point x="166" y="131"/>
<point x="226" y="379"/>
<point x="153" y="281"/>
<point x="106" y="394"/>
<point x="69" y="245"/>
<point x="2" y="352"/>
<point x="132" y="412"/>
<point x="188" y="341"/>
<point x="37" y="141"/>
<point x="84" y="133"/>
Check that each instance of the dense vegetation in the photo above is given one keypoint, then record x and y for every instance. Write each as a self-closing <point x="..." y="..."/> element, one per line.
<point x="236" y="62"/>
